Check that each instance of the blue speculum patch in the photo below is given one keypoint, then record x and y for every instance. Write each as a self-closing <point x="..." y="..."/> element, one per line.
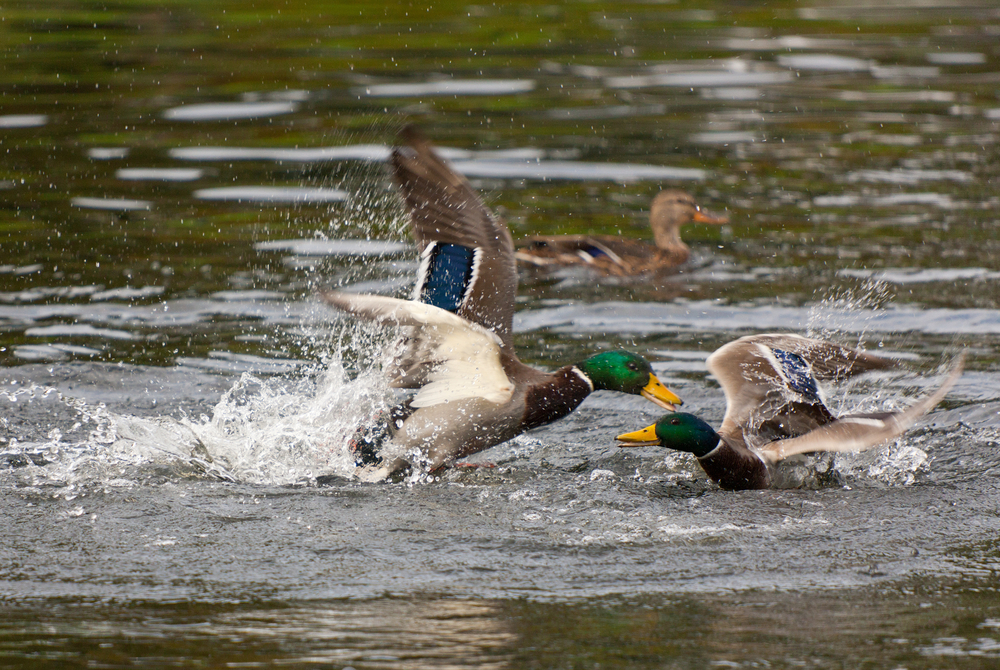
<point x="796" y="371"/>
<point x="449" y="273"/>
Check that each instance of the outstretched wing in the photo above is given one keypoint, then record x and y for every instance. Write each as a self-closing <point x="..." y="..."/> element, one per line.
<point x="467" y="254"/>
<point x="862" y="431"/>
<point x="770" y="381"/>
<point x="448" y="357"/>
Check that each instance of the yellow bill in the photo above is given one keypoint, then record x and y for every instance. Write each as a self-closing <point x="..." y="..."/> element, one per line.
<point x="656" y="392"/>
<point x="639" y="438"/>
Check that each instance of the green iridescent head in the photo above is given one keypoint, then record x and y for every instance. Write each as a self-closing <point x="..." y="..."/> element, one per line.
<point x="628" y="373"/>
<point x="680" y="431"/>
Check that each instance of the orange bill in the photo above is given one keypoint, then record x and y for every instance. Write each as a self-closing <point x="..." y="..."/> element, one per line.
<point x="660" y="394"/>
<point x="702" y="217"/>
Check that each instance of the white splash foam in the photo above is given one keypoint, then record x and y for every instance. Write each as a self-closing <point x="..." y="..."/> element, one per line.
<point x="897" y="464"/>
<point x="281" y="430"/>
<point x="269" y="432"/>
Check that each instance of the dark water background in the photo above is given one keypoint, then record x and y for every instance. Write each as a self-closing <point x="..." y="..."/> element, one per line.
<point x="171" y="390"/>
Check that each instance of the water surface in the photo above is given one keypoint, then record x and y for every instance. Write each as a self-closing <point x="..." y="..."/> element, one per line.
<point x="174" y="401"/>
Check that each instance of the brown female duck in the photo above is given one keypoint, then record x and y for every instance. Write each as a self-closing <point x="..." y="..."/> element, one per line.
<point x="622" y="257"/>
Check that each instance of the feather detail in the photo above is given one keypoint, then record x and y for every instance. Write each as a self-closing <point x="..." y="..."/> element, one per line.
<point x="582" y="375"/>
<point x="735" y="468"/>
<point x="555" y="398"/>
<point x="857" y="433"/>
<point x="444" y="210"/>
<point x="794" y="371"/>
<point x="456" y="359"/>
<point x="447" y="275"/>
<point x="757" y="384"/>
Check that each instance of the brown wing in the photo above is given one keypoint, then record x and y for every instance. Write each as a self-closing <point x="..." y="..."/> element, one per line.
<point x="444" y="209"/>
<point x="863" y="431"/>
<point x="604" y="253"/>
<point x="770" y="392"/>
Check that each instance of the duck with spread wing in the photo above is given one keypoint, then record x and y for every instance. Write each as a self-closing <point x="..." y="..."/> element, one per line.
<point x="774" y="409"/>
<point x="472" y="391"/>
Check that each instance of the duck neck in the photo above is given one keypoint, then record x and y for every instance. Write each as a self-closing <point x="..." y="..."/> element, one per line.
<point x="561" y="394"/>
<point x="735" y="467"/>
<point x="668" y="237"/>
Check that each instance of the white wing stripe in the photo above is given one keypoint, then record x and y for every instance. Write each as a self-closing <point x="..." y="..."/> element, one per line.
<point x="477" y="259"/>
<point x="425" y="266"/>
<point x="863" y="421"/>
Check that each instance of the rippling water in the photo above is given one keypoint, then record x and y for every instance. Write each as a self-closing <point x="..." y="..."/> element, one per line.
<point x="174" y="401"/>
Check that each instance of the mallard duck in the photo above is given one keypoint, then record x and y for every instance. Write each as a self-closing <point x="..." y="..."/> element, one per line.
<point x="472" y="391"/>
<point x="774" y="409"/>
<point x="619" y="256"/>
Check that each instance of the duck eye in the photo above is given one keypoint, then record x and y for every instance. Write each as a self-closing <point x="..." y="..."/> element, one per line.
<point x="634" y="367"/>
<point x="675" y="422"/>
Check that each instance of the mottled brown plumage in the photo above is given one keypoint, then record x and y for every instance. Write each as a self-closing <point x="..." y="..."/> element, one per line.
<point x="622" y="257"/>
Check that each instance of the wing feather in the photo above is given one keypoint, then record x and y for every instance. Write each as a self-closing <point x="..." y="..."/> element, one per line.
<point x="860" y="432"/>
<point x="445" y="209"/>
<point x="448" y="357"/>
<point x="757" y="384"/>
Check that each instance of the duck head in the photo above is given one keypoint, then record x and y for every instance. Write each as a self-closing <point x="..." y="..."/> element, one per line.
<point x="672" y="209"/>
<point x="626" y="372"/>
<point x="680" y="431"/>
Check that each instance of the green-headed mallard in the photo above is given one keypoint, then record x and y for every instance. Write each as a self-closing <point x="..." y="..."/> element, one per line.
<point x="774" y="409"/>
<point x="619" y="256"/>
<point x="472" y="391"/>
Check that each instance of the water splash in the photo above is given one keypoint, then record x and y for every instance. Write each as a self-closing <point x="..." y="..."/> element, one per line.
<point x="850" y="309"/>
<point x="897" y="464"/>
<point x="283" y="429"/>
<point x="83" y="450"/>
<point x="265" y="431"/>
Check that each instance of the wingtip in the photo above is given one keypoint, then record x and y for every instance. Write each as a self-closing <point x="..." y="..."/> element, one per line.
<point x="332" y="297"/>
<point x="957" y="367"/>
<point x="411" y="138"/>
<point x="411" y="135"/>
<point x="412" y="148"/>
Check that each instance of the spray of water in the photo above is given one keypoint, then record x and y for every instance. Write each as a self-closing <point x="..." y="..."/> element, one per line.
<point x="845" y="312"/>
<point x="270" y="431"/>
<point x="283" y="430"/>
<point x="280" y="430"/>
<point x="848" y="309"/>
<point x="274" y="430"/>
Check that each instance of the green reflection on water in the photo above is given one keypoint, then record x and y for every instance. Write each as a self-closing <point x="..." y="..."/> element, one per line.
<point x="103" y="75"/>
<point x="928" y="625"/>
